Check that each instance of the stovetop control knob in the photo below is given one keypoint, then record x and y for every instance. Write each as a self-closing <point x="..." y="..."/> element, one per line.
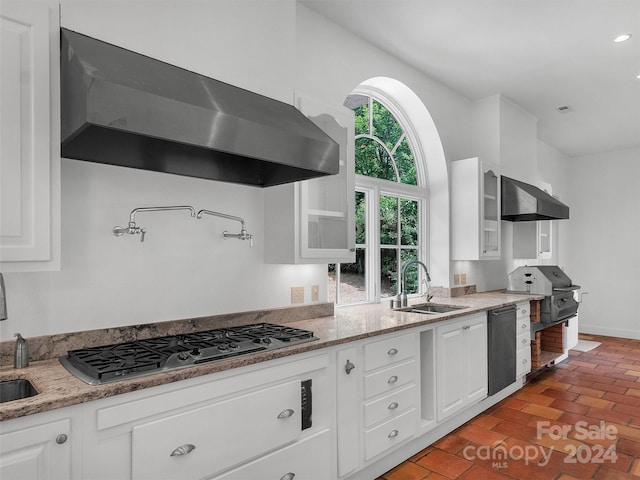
<point x="183" y="356"/>
<point x="195" y="352"/>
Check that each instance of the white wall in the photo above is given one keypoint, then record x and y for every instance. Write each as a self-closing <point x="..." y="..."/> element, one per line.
<point x="601" y="245"/>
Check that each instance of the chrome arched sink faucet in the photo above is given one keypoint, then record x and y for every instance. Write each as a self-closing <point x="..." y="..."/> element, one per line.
<point x="401" y="299"/>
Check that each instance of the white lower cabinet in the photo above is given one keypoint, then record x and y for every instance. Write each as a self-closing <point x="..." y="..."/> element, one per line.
<point x="205" y="440"/>
<point x="461" y="364"/>
<point x="523" y="339"/>
<point x="38" y="447"/>
<point x="378" y="392"/>
<point x="223" y="425"/>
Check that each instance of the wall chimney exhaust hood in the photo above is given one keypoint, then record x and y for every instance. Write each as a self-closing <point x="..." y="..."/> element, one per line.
<point x="122" y="108"/>
<point x="521" y="202"/>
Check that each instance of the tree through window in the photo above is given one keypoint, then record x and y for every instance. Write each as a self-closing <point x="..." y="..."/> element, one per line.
<point x="388" y="208"/>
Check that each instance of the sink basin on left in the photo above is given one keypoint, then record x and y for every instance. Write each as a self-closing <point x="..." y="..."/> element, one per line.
<point x="16" y="390"/>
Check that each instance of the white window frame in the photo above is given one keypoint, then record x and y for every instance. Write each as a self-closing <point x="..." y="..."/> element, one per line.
<point x="374" y="188"/>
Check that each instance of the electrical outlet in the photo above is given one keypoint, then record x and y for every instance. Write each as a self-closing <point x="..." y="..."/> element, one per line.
<point x="456" y="279"/>
<point x="463" y="278"/>
<point x="315" y="293"/>
<point x="297" y="294"/>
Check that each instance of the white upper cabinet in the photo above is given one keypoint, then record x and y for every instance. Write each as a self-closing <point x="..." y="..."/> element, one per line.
<point x="475" y="210"/>
<point x="29" y="137"/>
<point x="313" y="221"/>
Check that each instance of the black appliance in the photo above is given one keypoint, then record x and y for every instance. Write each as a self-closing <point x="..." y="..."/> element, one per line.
<point x="109" y="363"/>
<point x="501" y="338"/>
<point x="559" y="303"/>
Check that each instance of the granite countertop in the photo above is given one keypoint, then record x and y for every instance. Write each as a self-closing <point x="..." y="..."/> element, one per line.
<point x="58" y="388"/>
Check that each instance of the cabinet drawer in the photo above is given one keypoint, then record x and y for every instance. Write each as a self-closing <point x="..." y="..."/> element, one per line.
<point x="309" y="459"/>
<point x="523" y="361"/>
<point x="389" y="434"/>
<point x="523" y="340"/>
<point x="389" y="406"/>
<point x="523" y="310"/>
<point x="389" y="379"/>
<point x="257" y="421"/>
<point x="523" y="326"/>
<point x="386" y="352"/>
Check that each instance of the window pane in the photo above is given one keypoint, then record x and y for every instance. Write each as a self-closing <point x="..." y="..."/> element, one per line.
<point x="411" y="277"/>
<point x="405" y="163"/>
<point x="388" y="272"/>
<point x="331" y="282"/>
<point x="385" y="126"/>
<point x="361" y="218"/>
<point x="409" y="222"/>
<point x="388" y="220"/>
<point x="352" y="280"/>
<point x="362" y="119"/>
<point x="373" y="160"/>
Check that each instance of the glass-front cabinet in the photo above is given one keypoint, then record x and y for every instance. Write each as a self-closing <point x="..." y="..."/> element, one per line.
<point x="312" y="221"/>
<point x="490" y="214"/>
<point x="475" y="210"/>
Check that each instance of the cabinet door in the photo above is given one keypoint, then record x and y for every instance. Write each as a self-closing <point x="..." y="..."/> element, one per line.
<point x="42" y="452"/>
<point x="461" y="377"/>
<point x="475" y="338"/>
<point x="29" y="132"/>
<point x="490" y="239"/>
<point x="312" y="221"/>
<point x="349" y="375"/>
<point x="475" y="210"/>
<point x="452" y="365"/>
<point x="327" y="203"/>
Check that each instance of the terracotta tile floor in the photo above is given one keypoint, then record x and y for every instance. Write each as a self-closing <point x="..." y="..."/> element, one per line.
<point x="578" y="420"/>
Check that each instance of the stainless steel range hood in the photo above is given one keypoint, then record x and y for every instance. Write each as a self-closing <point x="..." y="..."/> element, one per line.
<point x="522" y="202"/>
<point x="123" y="108"/>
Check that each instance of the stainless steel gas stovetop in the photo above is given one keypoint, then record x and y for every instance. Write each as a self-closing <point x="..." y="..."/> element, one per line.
<point x="121" y="361"/>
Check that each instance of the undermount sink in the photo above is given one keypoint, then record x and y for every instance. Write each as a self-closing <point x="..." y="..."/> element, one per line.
<point x="431" y="308"/>
<point x="16" y="390"/>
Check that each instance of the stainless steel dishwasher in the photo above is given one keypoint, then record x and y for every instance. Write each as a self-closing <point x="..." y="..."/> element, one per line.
<point x="502" y="348"/>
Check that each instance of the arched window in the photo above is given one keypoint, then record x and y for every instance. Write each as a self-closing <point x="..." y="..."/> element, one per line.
<point x="390" y="208"/>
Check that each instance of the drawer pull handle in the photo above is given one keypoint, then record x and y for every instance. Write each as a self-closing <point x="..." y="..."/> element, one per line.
<point x="524" y="341"/>
<point x="392" y="379"/>
<point x="185" y="449"/>
<point x="524" y="325"/>
<point x="285" y="413"/>
<point x="62" y="438"/>
<point x="393" y="434"/>
<point x="288" y="476"/>
<point x="392" y="351"/>
<point x="348" y="367"/>
<point x="466" y="327"/>
<point x="524" y="310"/>
<point x="525" y="361"/>
<point x="393" y="406"/>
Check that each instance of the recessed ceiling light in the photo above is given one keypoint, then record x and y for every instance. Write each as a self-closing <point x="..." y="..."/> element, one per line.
<point x="623" y="37"/>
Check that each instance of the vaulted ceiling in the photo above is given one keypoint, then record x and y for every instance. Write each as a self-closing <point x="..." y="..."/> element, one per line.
<point x="542" y="54"/>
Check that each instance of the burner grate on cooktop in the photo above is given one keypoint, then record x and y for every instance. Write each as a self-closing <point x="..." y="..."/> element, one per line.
<point x="125" y="360"/>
